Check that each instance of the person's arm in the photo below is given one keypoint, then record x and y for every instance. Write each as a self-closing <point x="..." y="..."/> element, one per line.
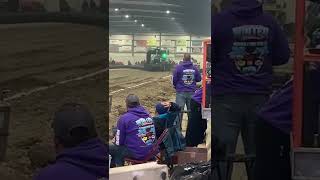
<point x="121" y="133"/>
<point x="280" y="47"/>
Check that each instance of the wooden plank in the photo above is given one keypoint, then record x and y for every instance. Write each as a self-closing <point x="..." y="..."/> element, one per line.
<point x="144" y="171"/>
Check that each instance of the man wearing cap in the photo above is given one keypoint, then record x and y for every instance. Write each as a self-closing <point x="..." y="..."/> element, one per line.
<point x="185" y="77"/>
<point x="80" y="154"/>
<point x="135" y="133"/>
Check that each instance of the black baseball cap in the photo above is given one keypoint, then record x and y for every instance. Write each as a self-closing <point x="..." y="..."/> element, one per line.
<point x="69" y="117"/>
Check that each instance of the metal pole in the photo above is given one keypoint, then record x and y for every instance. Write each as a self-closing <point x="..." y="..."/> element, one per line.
<point x="190" y="51"/>
<point x="132" y="45"/>
<point x="4" y="125"/>
<point x="298" y="73"/>
<point x="160" y="44"/>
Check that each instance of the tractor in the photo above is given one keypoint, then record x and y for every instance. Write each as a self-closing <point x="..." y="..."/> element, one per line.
<point x="157" y="60"/>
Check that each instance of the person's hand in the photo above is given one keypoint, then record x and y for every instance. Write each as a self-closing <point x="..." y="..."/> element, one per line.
<point x="166" y="104"/>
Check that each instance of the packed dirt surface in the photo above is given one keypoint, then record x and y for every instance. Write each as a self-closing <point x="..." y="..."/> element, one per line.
<point x="36" y="55"/>
<point x="123" y="78"/>
<point x="40" y="54"/>
<point x="150" y="93"/>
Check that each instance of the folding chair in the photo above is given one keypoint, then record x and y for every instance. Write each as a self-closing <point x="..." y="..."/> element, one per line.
<point x="153" y="152"/>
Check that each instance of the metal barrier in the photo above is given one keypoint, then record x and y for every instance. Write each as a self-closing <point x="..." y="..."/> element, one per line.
<point x="4" y="125"/>
<point x="110" y="103"/>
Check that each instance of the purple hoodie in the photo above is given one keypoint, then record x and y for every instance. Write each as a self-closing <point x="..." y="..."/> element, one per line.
<point x="136" y="131"/>
<point x="197" y="96"/>
<point x="87" y="161"/>
<point x="185" y="77"/>
<point x="278" y="110"/>
<point x="246" y="44"/>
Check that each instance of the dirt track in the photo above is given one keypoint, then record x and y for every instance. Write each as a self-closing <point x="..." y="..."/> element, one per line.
<point x="149" y="94"/>
<point x="34" y="55"/>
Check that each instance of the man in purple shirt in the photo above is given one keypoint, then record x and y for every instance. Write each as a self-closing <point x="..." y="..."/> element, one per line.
<point x="185" y="77"/>
<point x="135" y="133"/>
<point x="246" y="44"/>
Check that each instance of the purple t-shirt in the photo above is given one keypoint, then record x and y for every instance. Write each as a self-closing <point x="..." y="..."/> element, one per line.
<point x="136" y="131"/>
<point x="246" y="43"/>
<point x="185" y="77"/>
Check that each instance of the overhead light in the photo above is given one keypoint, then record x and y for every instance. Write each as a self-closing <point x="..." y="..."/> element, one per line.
<point x="127" y="16"/>
<point x="116" y="9"/>
<point x="168" y="12"/>
<point x="135" y="20"/>
<point x="142" y="25"/>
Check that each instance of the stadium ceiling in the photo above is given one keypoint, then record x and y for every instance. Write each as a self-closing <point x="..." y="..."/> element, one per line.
<point x="160" y="16"/>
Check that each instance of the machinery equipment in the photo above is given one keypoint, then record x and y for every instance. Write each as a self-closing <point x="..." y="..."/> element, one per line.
<point x="157" y="60"/>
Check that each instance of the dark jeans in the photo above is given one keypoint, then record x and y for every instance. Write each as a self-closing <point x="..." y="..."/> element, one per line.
<point x="272" y="153"/>
<point x="118" y="153"/>
<point x="231" y="115"/>
<point x="182" y="99"/>
<point x="196" y="125"/>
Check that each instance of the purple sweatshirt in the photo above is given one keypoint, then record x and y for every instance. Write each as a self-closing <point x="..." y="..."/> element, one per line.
<point x="88" y="161"/>
<point x="246" y="43"/>
<point x="136" y="131"/>
<point x="278" y="110"/>
<point x="185" y="77"/>
<point x="197" y="96"/>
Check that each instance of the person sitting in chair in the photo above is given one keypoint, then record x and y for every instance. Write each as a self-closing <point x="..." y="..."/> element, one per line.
<point x="135" y="134"/>
<point x="166" y="118"/>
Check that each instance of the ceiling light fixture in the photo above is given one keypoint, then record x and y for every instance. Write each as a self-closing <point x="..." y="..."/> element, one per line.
<point x="168" y="12"/>
<point x="127" y="16"/>
<point x="116" y="9"/>
<point x="135" y="21"/>
<point x="142" y="25"/>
